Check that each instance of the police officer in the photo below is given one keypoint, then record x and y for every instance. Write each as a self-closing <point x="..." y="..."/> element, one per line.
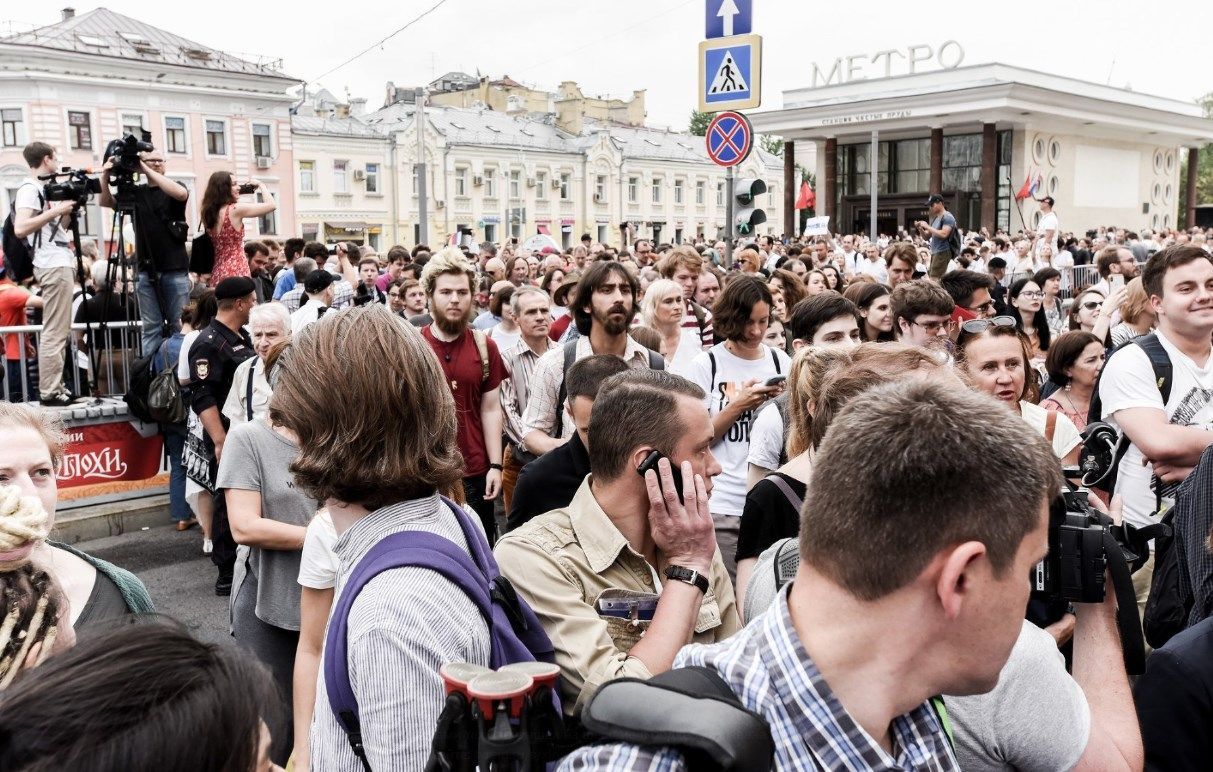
<point x="213" y="358"/>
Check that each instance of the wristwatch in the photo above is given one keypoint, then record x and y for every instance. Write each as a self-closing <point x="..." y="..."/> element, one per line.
<point x="495" y="466"/>
<point x="683" y="574"/>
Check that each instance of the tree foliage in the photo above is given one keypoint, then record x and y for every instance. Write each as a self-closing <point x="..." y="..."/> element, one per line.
<point x="699" y="123"/>
<point x="1204" y="170"/>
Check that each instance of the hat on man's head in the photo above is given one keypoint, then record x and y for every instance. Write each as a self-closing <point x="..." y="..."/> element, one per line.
<point x="317" y="281"/>
<point x="561" y="296"/>
<point x="934" y="199"/>
<point x="235" y="287"/>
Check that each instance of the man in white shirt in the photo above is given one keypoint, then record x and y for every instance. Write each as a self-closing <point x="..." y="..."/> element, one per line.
<point x="318" y="290"/>
<point x="1049" y="226"/>
<point x="46" y="222"/>
<point x="1168" y="437"/>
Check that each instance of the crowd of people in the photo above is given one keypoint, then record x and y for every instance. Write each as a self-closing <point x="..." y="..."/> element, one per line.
<point x="639" y="434"/>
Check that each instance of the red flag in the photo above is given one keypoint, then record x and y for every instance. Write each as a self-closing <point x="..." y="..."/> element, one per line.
<point x="806" y="199"/>
<point x="1026" y="190"/>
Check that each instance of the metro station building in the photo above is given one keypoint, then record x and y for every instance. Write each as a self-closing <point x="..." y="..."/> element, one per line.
<point x="1108" y="156"/>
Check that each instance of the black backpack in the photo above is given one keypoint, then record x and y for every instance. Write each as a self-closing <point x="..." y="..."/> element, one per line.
<point x="18" y="252"/>
<point x="138" y="386"/>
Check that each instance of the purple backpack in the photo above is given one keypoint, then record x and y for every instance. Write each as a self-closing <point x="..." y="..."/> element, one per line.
<point x="515" y="632"/>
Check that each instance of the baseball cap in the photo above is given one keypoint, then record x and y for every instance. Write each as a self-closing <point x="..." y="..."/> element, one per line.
<point x="933" y="199"/>
<point x="317" y="281"/>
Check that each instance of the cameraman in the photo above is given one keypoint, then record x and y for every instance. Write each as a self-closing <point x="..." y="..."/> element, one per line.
<point x="160" y="233"/>
<point x="53" y="268"/>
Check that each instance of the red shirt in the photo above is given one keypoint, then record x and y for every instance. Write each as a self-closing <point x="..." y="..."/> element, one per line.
<point x="464" y="375"/>
<point x="12" y="314"/>
<point x="559" y="326"/>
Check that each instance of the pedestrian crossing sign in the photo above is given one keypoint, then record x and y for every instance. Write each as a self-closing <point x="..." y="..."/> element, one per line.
<point x="730" y="73"/>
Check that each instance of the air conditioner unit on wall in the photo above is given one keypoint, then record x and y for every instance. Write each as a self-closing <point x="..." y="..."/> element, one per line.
<point x="555" y="183"/>
<point x="477" y="181"/>
<point x="439" y="204"/>
<point x="263" y="162"/>
<point x="530" y="182"/>
<point x="359" y="175"/>
<point x="599" y="198"/>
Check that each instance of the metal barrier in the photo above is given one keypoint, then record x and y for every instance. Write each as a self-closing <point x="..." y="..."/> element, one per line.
<point x="118" y="345"/>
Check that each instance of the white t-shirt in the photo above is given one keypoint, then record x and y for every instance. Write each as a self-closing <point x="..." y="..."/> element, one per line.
<point x="690" y="345"/>
<point x="307" y="313"/>
<point x="1048" y="223"/>
<point x="1127" y="382"/>
<point x="766" y="438"/>
<point x="318" y="565"/>
<point x="505" y="340"/>
<point x="874" y="268"/>
<point x="53" y="250"/>
<point x="732" y="450"/>
<point x="1065" y="433"/>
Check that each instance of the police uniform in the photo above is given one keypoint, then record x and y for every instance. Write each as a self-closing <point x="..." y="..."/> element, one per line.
<point x="213" y="358"/>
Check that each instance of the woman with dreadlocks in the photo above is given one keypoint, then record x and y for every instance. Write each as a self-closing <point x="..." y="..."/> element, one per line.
<point x="31" y="448"/>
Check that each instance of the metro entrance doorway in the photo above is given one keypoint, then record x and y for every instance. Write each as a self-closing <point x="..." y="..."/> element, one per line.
<point x="893" y="213"/>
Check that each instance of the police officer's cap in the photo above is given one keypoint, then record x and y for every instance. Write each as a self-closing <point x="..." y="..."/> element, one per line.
<point x="234" y="287"/>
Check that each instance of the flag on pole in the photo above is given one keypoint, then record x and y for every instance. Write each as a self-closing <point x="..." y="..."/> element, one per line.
<point x="807" y="199"/>
<point x="1030" y="185"/>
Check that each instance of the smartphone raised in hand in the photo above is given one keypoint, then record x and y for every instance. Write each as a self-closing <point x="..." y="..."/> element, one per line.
<point x="774" y="380"/>
<point x="650" y="462"/>
<point x="247" y="188"/>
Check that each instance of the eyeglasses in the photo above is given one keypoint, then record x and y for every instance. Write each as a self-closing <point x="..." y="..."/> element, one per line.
<point x="978" y="326"/>
<point x="933" y="328"/>
<point x="153" y="160"/>
<point x="981" y="309"/>
<point x="1031" y="295"/>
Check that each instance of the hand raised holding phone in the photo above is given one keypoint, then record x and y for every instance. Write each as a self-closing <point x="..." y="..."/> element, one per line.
<point x="679" y="520"/>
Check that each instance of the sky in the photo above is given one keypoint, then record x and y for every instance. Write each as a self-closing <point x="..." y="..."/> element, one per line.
<point x="613" y="47"/>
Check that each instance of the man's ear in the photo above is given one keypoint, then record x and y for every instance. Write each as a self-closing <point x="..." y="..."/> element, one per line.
<point x="957" y="571"/>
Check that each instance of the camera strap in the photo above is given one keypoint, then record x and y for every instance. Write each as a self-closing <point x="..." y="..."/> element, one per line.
<point x="1128" y="621"/>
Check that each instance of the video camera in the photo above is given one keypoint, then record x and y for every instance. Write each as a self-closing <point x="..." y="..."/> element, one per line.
<point x="77" y="187"/>
<point x="125" y="153"/>
<point x="1085" y="546"/>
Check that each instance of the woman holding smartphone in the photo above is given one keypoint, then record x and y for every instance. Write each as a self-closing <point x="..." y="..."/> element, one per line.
<point x="223" y="218"/>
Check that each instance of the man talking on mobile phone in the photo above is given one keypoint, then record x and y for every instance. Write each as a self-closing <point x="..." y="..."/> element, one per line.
<point x="629" y="571"/>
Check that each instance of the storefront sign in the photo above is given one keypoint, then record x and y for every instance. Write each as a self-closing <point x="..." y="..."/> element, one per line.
<point x="886" y="63"/>
<point x="106" y="453"/>
<point x="866" y="117"/>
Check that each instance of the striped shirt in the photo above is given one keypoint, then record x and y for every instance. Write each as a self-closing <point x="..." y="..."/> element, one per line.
<point x="343" y="296"/>
<point x="520" y="359"/>
<point x="405" y="624"/>
<point x="768" y="668"/>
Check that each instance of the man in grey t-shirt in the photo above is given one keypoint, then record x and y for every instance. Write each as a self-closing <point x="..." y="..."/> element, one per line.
<point x="940" y="229"/>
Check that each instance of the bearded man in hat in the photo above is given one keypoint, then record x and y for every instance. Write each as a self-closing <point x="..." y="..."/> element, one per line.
<point x="214" y="357"/>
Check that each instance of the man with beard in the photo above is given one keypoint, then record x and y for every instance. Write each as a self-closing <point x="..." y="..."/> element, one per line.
<point x="602" y="309"/>
<point x="258" y="255"/>
<point x="474" y="370"/>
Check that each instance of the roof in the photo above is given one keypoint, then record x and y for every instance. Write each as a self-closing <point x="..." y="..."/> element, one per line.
<point x="334" y="127"/>
<point x="103" y="32"/>
<point x="484" y="127"/>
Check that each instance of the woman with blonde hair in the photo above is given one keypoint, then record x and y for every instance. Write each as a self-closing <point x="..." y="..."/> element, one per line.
<point x="1136" y="314"/>
<point x="662" y="310"/>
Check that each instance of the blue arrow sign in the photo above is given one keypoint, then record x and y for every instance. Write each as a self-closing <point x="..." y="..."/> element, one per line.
<point x="726" y="18"/>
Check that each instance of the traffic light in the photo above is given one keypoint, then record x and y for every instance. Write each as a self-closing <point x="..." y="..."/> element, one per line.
<point x="748" y="216"/>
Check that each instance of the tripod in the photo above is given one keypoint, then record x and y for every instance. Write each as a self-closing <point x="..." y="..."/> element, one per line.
<point x="89" y="333"/>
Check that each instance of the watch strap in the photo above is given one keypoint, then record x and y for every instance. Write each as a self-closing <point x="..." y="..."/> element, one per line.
<point x="684" y="574"/>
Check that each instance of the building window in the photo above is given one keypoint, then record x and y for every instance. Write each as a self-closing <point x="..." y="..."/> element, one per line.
<point x="600" y="188"/>
<point x="1003" y="202"/>
<point x="515" y="183"/>
<point x="656" y="190"/>
<point x="216" y="138"/>
<point x="633" y="189"/>
<point x="267" y="223"/>
<point x="79" y="130"/>
<point x="602" y="234"/>
<point x="307" y="176"/>
<point x="962" y="163"/>
<point x="262" y="146"/>
<point x="701" y="192"/>
<point x="372" y="178"/>
<point x="720" y="194"/>
<point x="679" y="185"/>
<point x="461" y="182"/>
<point x="174" y="135"/>
<point x="341" y="179"/>
<point x="541" y="185"/>
<point x="132" y="124"/>
<point x="565" y="186"/>
<point x="912" y="162"/>
<point x="14" y="128"/>
<point x="490" y="183"/>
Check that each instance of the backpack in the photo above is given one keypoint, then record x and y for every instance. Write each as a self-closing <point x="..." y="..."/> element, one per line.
<point x="1168" y="604"/>
<point x="482" y="348"/>
<point x="954" y="242"/>
<point x="1163" y="372"/>
<point x="139" y="384"/>
<point x="202" y="254"/>
<point x="515" y="631"/>
<point x="19" y="252"/>
<point x="570" y="357"/>
<point x="164" y="401"/>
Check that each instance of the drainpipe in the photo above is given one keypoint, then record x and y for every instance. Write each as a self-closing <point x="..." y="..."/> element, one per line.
<point x="395" y="188"/>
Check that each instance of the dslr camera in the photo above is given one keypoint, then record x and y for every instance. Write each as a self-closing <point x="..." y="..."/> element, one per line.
<point x="125" y="153"/>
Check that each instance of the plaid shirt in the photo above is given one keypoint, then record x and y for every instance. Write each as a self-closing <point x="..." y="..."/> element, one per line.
<point x="520" y="360"/>
<point x="772" y="674"/>
<point x="343" y="296"/>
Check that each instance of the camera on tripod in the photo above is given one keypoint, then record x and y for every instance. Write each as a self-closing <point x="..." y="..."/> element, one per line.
<point x="77" y="187"/>
<point x="125" y="154"/>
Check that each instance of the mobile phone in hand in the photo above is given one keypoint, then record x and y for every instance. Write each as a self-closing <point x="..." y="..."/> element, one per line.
<point x="247" y="188"/>
<point x="650" y="462"/>
<point x="774" y="380"/>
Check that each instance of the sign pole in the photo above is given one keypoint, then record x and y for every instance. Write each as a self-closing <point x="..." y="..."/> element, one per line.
<point x="729" y="179"/>
<point x="874" y="165"/>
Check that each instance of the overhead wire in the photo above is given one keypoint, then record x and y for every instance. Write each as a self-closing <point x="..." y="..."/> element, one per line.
<point x="372" y="47"/>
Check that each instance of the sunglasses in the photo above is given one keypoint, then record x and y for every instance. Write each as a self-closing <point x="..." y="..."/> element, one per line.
<point x="1091" y="305"/>
<point x="978" y="326"/>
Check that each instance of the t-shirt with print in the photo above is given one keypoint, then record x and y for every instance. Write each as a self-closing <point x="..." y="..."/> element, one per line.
<point x="460" y="361"/>
<point x="52" y="251"/>
<point x="1128" y="382"/>
<point x="732" y="450"/>
<point x="256" y="458"/>
<point x="12" y="314"/>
